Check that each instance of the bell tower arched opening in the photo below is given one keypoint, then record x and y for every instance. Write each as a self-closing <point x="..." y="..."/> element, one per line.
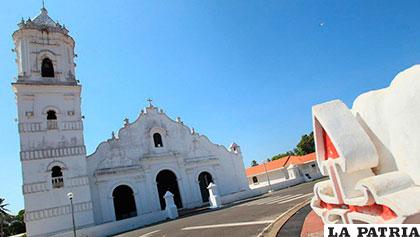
<point x="47" y="68"/>
<point x="57" y="180"/>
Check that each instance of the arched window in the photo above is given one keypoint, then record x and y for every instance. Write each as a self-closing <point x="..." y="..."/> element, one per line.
<point x="47" y="68"/>
<point x="254" y="179"/>
<point x="51" y="119"/>
<point x="51" y="115"/>
<point x="57" y="177"/>
<point x="157" y="138"/>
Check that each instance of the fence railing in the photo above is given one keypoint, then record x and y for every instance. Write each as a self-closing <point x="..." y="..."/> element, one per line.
<point x="57" y="182"/>
<point x="52" y="124"/>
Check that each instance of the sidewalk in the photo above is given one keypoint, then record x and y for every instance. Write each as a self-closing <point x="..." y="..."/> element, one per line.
<point x="313" y="226"/>
<point x="298" y="221"/>
<point x="304" y="223"/>
<point x="293" y="225"/>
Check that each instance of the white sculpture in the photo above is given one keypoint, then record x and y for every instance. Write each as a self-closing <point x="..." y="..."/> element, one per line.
<point x="214" y="197"/>
<point x="371" y="154"/>
<point x="170" y="208"/>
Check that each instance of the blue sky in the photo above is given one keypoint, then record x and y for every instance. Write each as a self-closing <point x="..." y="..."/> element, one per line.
<point x="242" y="71"/>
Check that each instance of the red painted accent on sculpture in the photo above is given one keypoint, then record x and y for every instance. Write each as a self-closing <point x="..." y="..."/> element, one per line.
<point x="331" y="206"/>
<point x="329" y="148"/>
<point x="375" y="209"/>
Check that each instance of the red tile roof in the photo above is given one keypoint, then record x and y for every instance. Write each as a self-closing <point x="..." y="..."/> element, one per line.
<point x="280" y="163"/>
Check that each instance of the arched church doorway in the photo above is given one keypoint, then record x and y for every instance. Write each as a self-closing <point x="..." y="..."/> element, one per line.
<point x="204" y="179"/>
<point x="124" y="203"/>
<point x="166" y="181"/>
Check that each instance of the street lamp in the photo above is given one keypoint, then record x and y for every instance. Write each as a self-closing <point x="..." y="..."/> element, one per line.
<point x="70" y="196"/>
<point x="268" y="179"/>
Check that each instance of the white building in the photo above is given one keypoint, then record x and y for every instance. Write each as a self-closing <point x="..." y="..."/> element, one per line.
<point x="284" y="172"/>
<point x="120" y="186"/>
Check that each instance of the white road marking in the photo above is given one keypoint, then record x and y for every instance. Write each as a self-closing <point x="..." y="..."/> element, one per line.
<point x="228" y="225"/>
<point x="263" y="200"/>
<point x="266" y="200"/>
<point x="289" y="200"/>
<point x="275" y="198"/>
<point x="149" y="234"/>
<point x="271" y="200"/>
<point x="281" y="199"/>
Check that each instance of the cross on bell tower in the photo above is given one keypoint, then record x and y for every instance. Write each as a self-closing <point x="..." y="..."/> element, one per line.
<point x="150" y="102"/>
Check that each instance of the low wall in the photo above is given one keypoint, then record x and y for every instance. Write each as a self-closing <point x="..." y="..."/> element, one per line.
<point x="277" y="186"/>
<point x="237" y="196"/>
<point x="263" y="189"/>
<point x="116" y="227"/>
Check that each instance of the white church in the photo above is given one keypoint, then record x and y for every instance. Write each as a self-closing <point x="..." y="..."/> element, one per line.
<point x="121" y="185"/>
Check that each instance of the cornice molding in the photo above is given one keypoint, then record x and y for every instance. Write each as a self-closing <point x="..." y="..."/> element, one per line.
<point x="52" y="153"/>
<point x="56" y="211"/>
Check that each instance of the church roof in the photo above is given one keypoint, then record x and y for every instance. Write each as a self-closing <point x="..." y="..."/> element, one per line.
<point x="43" y="22"/>
<point x="280" y="163"/>
<point x="154" y="118"/>
<point x="43" y="19"/>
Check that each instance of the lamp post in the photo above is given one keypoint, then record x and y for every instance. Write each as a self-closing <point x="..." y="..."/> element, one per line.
<point x="268" y="179"/>
<point x="70" y="196"/>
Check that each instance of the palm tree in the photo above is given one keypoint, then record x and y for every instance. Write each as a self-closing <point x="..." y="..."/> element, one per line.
<point x="3" y="215"/>
<point x="17" y="224"/>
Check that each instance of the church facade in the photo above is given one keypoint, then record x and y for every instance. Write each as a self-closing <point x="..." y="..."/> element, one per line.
<point x="122" y="184"/>
<point x="155" y="154"/>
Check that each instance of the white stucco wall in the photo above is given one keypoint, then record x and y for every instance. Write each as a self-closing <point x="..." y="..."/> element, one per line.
<point x="286" y="176"/>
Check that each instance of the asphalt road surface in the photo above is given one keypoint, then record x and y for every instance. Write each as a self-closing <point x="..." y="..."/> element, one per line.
<point x="241" y="219"/>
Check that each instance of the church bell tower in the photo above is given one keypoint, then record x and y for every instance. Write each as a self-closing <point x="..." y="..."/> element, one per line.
<point x="52" y="149"/>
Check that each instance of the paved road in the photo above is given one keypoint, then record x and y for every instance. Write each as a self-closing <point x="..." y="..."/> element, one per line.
<point x="242" y="219"/>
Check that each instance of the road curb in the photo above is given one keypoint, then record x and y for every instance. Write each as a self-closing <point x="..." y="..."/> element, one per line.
<point x="272" y="229"/>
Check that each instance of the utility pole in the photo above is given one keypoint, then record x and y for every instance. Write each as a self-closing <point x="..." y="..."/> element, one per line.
<point x="268" y="178"/>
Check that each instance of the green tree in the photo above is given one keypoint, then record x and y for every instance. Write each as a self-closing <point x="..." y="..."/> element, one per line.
<point x="17" y="225"/>
<point x="4" y="216"/>
<point x="282" y="155"/>
<point x="306" y="145"/>
<point x="254" y="163"/>
<point x="20" y="216"/>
